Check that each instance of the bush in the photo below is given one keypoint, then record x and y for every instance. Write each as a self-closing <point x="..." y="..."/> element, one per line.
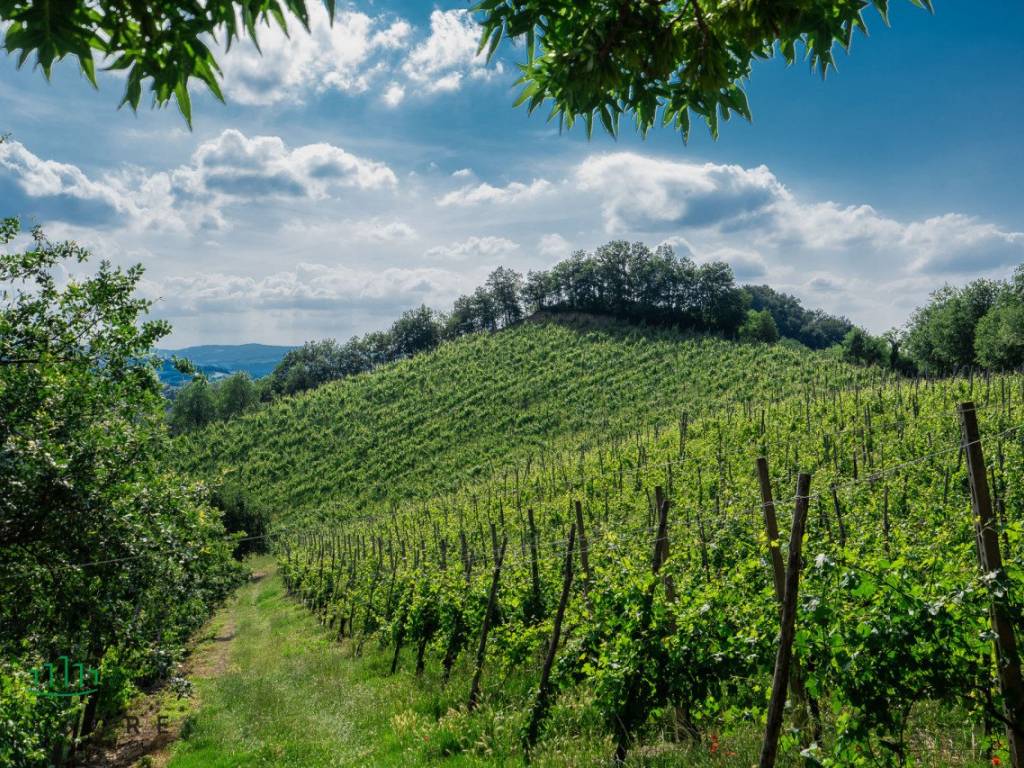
<point x="759" y="326"/>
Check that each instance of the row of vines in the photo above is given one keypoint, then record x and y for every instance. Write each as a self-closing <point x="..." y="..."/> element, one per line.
<point x="631" y="580"/>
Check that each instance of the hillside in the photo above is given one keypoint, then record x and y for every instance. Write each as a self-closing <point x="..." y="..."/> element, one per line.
<point x="496" y="438"/>
<point x="476" y="406"/>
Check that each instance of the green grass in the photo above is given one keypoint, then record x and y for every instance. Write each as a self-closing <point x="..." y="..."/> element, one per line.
<point x="290" y="695"/>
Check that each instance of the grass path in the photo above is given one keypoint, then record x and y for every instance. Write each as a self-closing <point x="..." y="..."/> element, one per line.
<point x="287" y="694"/>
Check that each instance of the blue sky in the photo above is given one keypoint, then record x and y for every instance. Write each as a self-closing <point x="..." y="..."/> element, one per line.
<point x="370" y="167"/>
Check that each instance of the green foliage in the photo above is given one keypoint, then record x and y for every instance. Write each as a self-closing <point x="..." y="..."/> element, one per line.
<point x="940" y="336"/>
<point x="999" y="335"/>
<point x="630" y="281"/>
<point x="759" y="326"/>
<point x="812" y="328"/>
<point x="662" y="62"/>
<point x="862" y="348"/>
<point x="194" y="406"/>
<point x="658" y="62"/>
<point x="893" y="617"/>
<point x="242" y="516"/>
<point x="164" y="45"/>
<point x="105" y="557"/>
<point x="622" y="280"/>
<point x="236" y="394"/>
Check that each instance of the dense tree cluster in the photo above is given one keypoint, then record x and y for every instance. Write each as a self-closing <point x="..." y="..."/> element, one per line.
<point x="105" y="556"/>
<point x="759" y="326"/>
<point x="976" y="324"/>
<point x="812" y="328"/>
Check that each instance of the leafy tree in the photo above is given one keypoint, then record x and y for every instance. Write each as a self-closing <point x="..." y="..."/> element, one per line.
<point x="999" y="335"/>
<point x="660" y="62"/>
<point x="759" y="326"/>
<point x="105" y="556"/>
<point x="721" y="304"/>
<point x="243" y="516"/>
<point x="594" y="61"/>
<point x="813" y="328"/>
<point x="417" y="330"/>
<point x="861" y="347"/>
<point x="940" y="336"/>
<point x="506" y="286"/>
<point x="236" y="394"/>
<point x="315" y="363"/>
<point x="194" y="406"/>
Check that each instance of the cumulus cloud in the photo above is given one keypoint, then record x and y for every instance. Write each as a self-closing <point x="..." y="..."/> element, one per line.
<point x="474" y="248"/>
<point x="393" y="95"/>
<point x="726" y="203"/>
<point x="514" y="192"/>
<point x="354" y="54"/>
<point x="554" y="246"/>
<point x="51" y="190"/>
<point x="381" y="231"/>
<point x="343" y="56"/>
<point x="449" y="54"/>
<point x="230" y="169"/>
<point x="236" y="166"/>
<point x="648" y="193"/>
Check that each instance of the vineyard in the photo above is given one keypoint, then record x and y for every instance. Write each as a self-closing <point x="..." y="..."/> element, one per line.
<point x="419" y="428"/>
<point x="565" y="532"/>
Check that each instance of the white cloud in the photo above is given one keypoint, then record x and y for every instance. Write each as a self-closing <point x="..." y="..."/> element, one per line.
<point x="462" y="173"/>
<point x="553" y="246"/>
<point x="355" y="54"/>
<point x="728" y="206"/>
<point x="55" y="191"/>
<point x="440" y="62"/>
<point x="230" y="169"/>
<point x="308" y="287"/>
<point x="747" y="265"/>
<point x="343" y="56"/>
<point x="474" y="248"/>
<point x="235" y="166"/>
<point x="380" y="231"/>
<point x="393" y="95"/>
<point x="485" y="193"/>
<point x="646" y="192"/>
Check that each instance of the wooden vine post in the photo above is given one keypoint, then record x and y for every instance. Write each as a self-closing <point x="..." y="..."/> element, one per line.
<point x="535" y="610"/>
<point x="540" y="705"/>
<point x="772" y="528"/>
<point x="481" y="651"/>
<point x="808" y="705"/>
<point x="991" y="560"/>
<point x="780" y="680"/>
<point x="584" y="553"/>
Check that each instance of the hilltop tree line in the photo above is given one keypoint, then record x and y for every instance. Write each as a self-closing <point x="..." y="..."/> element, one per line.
<point x="977" y="325"/>
<point x="628" y="281"/>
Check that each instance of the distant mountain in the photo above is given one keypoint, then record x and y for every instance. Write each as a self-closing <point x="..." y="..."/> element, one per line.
<point x="219" y="360"/>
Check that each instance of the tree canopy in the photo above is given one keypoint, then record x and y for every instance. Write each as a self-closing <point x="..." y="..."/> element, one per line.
<point x="105" y="555"/>
<point x="595" y="61"/>
<point x="662" y="61"/>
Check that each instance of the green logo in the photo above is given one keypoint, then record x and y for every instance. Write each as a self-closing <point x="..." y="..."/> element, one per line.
<point x="65" y="679"/>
